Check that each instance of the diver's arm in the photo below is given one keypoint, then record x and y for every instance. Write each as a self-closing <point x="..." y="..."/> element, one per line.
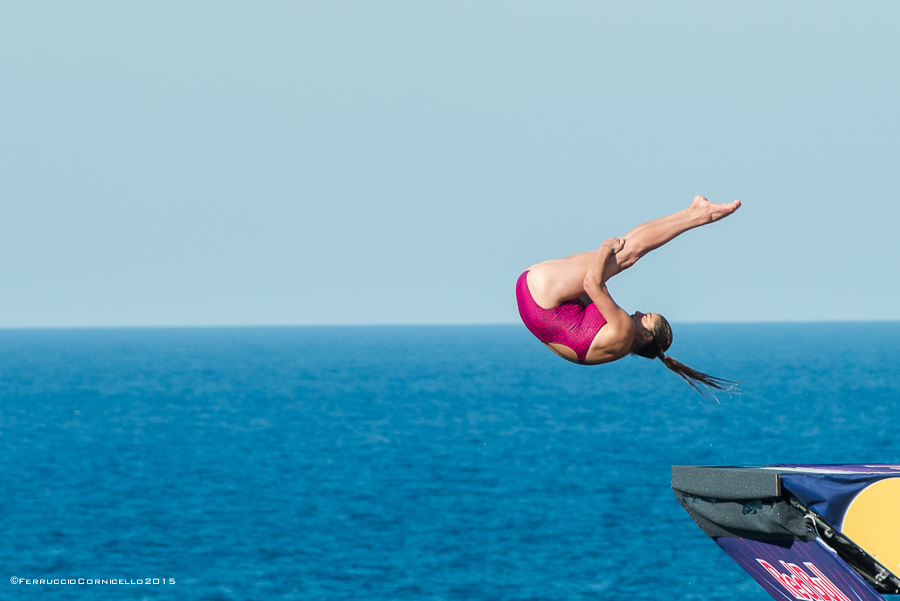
<point x="603" y="264"/>
<point x="614" y="340"/>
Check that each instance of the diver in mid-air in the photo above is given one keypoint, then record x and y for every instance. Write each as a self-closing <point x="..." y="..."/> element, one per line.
<point x="566" y="305"/>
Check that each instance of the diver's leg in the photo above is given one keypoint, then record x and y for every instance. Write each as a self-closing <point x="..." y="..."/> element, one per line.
<point x="558" y="280"/>
<point x="701" y="208"/>
<point x="653" y="234"/>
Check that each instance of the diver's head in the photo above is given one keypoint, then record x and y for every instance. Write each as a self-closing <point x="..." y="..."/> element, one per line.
<point x="652" y="335"/>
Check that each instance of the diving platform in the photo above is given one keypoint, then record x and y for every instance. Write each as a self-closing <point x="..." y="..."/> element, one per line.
<point x="810" y="532"/>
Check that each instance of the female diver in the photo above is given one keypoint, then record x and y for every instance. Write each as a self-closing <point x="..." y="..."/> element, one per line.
<point x="565" y="303"/>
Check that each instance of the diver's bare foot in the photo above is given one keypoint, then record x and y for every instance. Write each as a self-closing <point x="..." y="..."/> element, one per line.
<point x="713" y="211"/>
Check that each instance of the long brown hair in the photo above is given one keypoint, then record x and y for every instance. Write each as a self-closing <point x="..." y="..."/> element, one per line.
<point x="660" y="343"/>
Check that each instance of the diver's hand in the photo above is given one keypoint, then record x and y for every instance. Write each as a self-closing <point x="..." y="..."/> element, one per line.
<point x="604" y="267"/>
<point x="613" y="245"/>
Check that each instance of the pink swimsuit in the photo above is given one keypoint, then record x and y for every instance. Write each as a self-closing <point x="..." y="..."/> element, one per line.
<point x="571" y="323"/>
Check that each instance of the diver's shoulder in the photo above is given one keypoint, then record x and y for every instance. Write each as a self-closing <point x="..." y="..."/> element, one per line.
<point x="612" y="342"/>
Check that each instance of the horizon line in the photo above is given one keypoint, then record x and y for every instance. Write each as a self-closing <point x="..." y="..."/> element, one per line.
<point x="4" y="328"/>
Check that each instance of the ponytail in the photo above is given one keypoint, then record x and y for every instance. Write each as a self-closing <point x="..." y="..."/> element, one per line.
<point x="692" y="376"/>
<point x="657" y="347"/>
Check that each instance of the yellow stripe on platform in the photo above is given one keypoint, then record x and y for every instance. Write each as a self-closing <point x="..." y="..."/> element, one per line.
<point x="873" y="522"/>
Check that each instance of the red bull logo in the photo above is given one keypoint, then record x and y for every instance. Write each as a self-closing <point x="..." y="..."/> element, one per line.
<point x="803" y="586"/>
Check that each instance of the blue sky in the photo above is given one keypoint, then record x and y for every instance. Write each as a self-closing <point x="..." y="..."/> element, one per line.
<point x="223" y="163"/>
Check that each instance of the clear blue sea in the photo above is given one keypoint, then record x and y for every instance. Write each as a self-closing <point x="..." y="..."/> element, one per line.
<point x="394" y="463"/>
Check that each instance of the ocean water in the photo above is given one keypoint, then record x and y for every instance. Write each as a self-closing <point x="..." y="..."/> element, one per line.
<point x="393" y="463"/>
